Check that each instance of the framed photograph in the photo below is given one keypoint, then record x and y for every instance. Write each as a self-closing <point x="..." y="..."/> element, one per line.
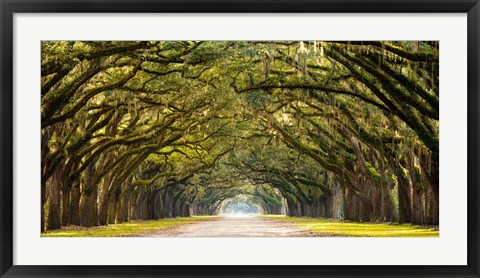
<point x="239" y="138"/>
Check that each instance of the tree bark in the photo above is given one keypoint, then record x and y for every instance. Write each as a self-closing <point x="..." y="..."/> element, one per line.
<point x="75" y="205"/>
<point x="66" y="203"/>
<point x="84" y="210"/>
<point x="404" y="196"/>
<point x="103" y="202"/>
<point x="43" y="196"/>
<point x="54" y="187"/>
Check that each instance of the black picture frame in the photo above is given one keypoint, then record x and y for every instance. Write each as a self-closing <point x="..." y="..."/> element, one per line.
<point x="9" y="7"/>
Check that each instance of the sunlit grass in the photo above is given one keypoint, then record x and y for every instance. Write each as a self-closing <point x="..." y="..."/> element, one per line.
<point x="344" y="228"/>
<point x="124" y="229"/>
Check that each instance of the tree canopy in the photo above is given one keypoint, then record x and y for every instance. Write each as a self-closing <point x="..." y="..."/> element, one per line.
<point x="155" y="129"/>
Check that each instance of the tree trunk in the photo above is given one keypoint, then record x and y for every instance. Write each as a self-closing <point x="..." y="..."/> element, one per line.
<point x="43" y="193"/>
<point x="122" y="208"/>
<point x="54" y="187"/>
<point x="417" y="205"/>
<point x="74" y="205"/>
<point x="94" y="208"/>
<point x="84" y="210"/>
<point x="328" y="204"/>
<point x="112" y="209"/>
<point x="434" y="182"/>
<point x="417" y="192"/>
<point x="103" y="202"/>
<point x="66" y="204"/>
<point x="132" y="201"/>
<point x="404" y="199"/>
<point x="387" y="203"/>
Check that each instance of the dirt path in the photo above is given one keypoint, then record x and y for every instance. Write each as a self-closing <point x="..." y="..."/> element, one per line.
<point x="235" y="226"/>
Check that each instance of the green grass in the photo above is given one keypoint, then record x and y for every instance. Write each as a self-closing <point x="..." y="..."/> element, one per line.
<point x="345" y="228"/>
<point x="123" y="229"/>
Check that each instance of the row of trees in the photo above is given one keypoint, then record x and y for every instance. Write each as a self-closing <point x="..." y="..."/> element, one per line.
<point x="148" y="130"/>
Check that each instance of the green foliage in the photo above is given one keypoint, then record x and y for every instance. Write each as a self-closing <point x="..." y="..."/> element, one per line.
<point x="373" y="172"/>
<point x="218" y="119"/>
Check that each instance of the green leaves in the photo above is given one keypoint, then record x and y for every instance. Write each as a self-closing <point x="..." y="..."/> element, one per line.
<point x="269" y="120"/>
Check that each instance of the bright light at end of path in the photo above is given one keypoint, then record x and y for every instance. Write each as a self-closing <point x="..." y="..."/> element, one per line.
<point x="239" y="214"/>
